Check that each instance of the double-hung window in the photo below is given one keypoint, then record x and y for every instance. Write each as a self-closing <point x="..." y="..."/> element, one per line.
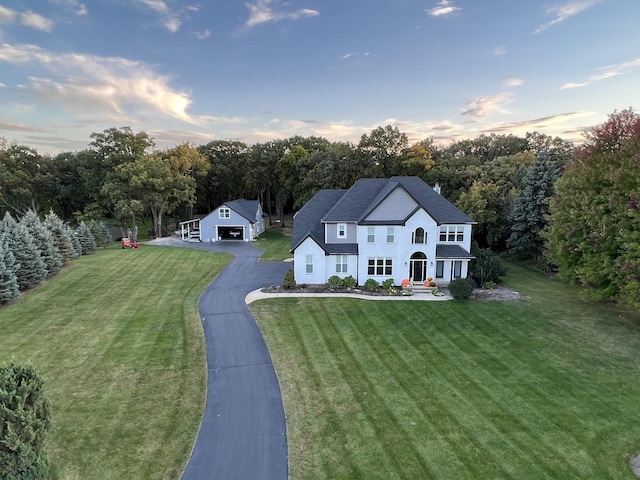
<point x="391" y="235"/>
<point x="308" y="263"/>
<point x="342" y="230"/>
<point x="371" y="234"/>
<point x="341" y="264"/>
<point x="419" y="236"/>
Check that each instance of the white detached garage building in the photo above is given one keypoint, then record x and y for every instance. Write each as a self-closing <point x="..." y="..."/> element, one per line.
<point x="240" y="220"/>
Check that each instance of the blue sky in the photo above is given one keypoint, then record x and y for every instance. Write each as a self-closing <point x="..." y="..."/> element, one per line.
<point x="258" y="70"/>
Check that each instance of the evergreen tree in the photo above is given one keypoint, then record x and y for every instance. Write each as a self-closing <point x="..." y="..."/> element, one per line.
<point x="75" y="242"/>
<point x="87" y="241"/>
<point x="61" y="236"/>
<point x="43" y="240"/>
<point x="25" y="419"/>
<point x="8" y="280"/>
<point x="31" y="270"/>
<point x="531" y="208"/>
<point x="101" y="233"/>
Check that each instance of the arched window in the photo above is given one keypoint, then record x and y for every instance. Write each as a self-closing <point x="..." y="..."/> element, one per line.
<point x="419" y="236"/>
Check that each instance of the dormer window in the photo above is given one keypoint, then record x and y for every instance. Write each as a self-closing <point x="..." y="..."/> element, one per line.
<point x="419" y="236"/>
<point x="342" y="230"/>
<point x="225" y="212"/>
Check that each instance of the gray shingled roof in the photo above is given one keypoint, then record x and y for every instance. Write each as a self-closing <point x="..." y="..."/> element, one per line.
<point x="452" y="251"/>
<point x="308" y="221"/>
<point x="246" y="208"/>
<point x="354" y="204"/>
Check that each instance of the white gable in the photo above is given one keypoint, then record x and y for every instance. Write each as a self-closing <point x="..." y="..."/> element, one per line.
<point x="396" y="206"/>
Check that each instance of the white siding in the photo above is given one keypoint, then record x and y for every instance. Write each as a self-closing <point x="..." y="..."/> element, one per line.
<point x="310" y="247"/>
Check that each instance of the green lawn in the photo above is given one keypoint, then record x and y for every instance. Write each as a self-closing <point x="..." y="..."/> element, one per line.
<point x="275" y="243"/>
<point x="117" y="338"/>
<point x="543" y="388"/>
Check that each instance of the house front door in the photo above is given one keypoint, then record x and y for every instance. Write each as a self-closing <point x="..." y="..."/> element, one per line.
<point x="418" y="267"/>
<point x="418" y="270"/>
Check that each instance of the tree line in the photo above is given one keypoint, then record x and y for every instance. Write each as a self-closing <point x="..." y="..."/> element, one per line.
<point x="519" y="189"/>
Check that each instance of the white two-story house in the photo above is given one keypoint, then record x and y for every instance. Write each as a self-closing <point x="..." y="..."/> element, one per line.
<point x="381" y="228"/>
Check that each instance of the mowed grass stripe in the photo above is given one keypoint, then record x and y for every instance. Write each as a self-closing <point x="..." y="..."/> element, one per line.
<point x="117" y="337"/>
<point x="426" y="378"/>
<point x="541" y="388"/>
<point x="388" y="431"/>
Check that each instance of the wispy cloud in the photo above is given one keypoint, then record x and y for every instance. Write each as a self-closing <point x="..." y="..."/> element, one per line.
<point x="565" y="11"/>
<point x="170" y="19"/>
<point x="479" y="108"/>
<point x="265" y="11"/>
<point x="74" y="5"/>
<point x="35" y="20"/>
<point x="444" y="7"/>
<point x="28" y="19"/>
<point x="542" y="123"/>
<point x="110" y="84"/>
<point x="510" y="82"/>
<point x="603" y="73"/>
<point x="202" y="35"/>
<point x="498" y="51"/>
<point x="7" y="16"/>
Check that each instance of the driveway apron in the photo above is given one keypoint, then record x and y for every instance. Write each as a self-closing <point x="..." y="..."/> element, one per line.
<point x="243" y="433"/>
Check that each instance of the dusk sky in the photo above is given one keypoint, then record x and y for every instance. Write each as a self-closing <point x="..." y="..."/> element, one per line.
<point x="259" y="70"/>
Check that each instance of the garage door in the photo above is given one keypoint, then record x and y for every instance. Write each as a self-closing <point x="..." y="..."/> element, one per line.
<point x="231" y="233"/>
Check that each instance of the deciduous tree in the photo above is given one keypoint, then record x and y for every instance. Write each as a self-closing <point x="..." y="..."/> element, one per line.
<point x="594" y="229"/>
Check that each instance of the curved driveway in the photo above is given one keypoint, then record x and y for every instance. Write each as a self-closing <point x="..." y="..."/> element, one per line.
<point x="243" y="433"/>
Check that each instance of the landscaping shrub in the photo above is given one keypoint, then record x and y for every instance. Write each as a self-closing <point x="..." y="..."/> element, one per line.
<point x="349" y="282"/>
<point x="289" y="280"/>
<point x="335" y="281"/>
<point x="388" y="283"/>
<point x="461" y="288"/>
<point x="486" y="267"/>
<point x="371" y="284"/>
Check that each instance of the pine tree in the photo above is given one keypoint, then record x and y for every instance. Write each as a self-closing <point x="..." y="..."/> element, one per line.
<point x="101" y="233"/>
<point x="87" y="241"/>
<point x="32" y="270"/>
<point x="25" y="419"/>
<point x="75" y="242"/>
<point x="43" y="240"/>
<point x="61" y="236"/>
<point x="530" y="210"/>
<point x="8" y="281"/>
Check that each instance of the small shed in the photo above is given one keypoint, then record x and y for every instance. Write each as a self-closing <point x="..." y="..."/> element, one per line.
<point x="236" y="220"/>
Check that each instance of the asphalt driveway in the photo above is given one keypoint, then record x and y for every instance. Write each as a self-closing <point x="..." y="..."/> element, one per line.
<point x="243" y="432"/>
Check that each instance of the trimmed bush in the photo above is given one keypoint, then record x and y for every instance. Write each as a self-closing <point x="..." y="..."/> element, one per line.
<point x="388" y="283"/>
<point x="461" y="288"/>
<point x="371" y="284"/>
<point x="349" y="282"/>
<point x="289" y="280"/>
<point x="335" y="281"/>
